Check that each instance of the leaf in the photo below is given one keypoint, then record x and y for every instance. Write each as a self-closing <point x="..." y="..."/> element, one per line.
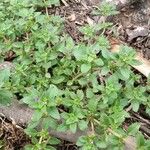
<point x="135" y="106"/>
<point x="33" y="124"/>
<point x="4" y="74"/>
<point x="5" y="97"/>
<point x="52" y="92"/>
<point x="83" y="81"/>
<point x="62" y="128"/>
<point x="81" y="140"/>
<point x="47" y="75"/>
<point x="80" y="94"/>
<point x="107" y="9"/>
<point x="71" y="119"/>
<point x="101" y="144"/>
<point x="53" y="112"/>
<point x="54" y="141"/>
<point x="105" y="70"/>
<point x="48" y="147"/>
<point x="99" y="62"/>
<point x="89" y="93"/>
<point x="53" y="2"/>
<point x="140" y="140"/>
<point x="70" y="82"/>
<point x="104" y="44"/>
<point x="135" y="62"/>
<point x="57" y="79"/>
<point x="92" y="105"/>
<point x="83" y="125"/>
<point x="31" y="131"/>
<point x="73" y="127"/>
<point x="106" y="54"/>
<point x="37" y="115"/>
<point x="125" y="72"/>
<point x="133" y="129"/>
<point x="148" y="111"/>
<point x="80" y="52"/>
<point x="53" y="55"/>
<point x="49" y="122"/>
<point x="31" y="98"/>
<point x="85" y="68"/>
<point x="28" y="147"/>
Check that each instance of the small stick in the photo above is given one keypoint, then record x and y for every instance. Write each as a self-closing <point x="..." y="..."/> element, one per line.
<point x="65" y="3"/>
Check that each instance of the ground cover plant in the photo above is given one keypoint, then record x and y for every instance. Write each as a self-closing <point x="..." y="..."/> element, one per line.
<point x="83" y="85"/>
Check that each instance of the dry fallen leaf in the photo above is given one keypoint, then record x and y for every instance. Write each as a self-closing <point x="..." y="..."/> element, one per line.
<point x="90" y="21"/>
<point x="72" y="17"/>
<point x="137" y="32"/>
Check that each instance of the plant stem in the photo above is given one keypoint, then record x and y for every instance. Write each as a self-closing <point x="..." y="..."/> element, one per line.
<point x="110" y="130"/>
<point x="40" y="140"/>
<point x="46" y="9"/>
<point x="77" y="76"/>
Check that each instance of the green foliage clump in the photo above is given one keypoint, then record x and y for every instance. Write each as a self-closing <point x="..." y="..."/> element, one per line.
<point x="83" y="84"/>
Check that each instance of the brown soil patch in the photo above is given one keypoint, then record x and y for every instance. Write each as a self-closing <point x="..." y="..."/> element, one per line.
<point x="12" y="136"/>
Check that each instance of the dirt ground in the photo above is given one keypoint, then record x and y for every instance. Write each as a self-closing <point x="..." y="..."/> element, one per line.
<point x="132" y="27"/>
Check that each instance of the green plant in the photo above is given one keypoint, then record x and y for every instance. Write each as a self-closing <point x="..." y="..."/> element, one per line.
<point x="82" y="84"/>
<point x="105" y="9"/>
<point x="5" y="94"/>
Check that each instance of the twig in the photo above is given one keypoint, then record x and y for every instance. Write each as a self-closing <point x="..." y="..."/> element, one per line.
<point x="65" y="3"/>
<point x="128" y="108"/>
<point x="145" y="130"/>
<point x="138" y="116"/>
<point x="77" y="76"/>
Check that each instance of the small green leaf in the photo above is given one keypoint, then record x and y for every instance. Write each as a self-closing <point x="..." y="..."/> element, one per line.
<point x="135" y="106"/>
<point x="125" y="72"/>
<point x="92" y="105"/>
<point x="70" y="82"/>
<point x="99" y="62"/>
<point x="47" y="75"/>
<point x="106" y="54"/>
<point x="140" y="140"/>
<point x="5" y="97"/>
<point x="4" y="74"/>
<point x="73" y="127"/>
<point x="148" y="111"/>
<point x="81" y="141"/>
<point x="53" y="2"/>
<point x="89" y="93"/>
<point x="52" y="91"/>
<point x="135" y="62"/>
<point x="133" y="128"/>
<point x="49" y="122"/>
<point x="80" y="94"/>
<point x="83" y="125"/>
<point x="53" y="112"/>
<point x="85" y="68"/>
<point x="80" y="52"/>
<point x="37" y="115"/>
<point x="101" y="144"/>
<point x="58" y="79"/>
<point x="62" y="128"/>
<point x="54" y="141"/>
<point x="105" y="70"/>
